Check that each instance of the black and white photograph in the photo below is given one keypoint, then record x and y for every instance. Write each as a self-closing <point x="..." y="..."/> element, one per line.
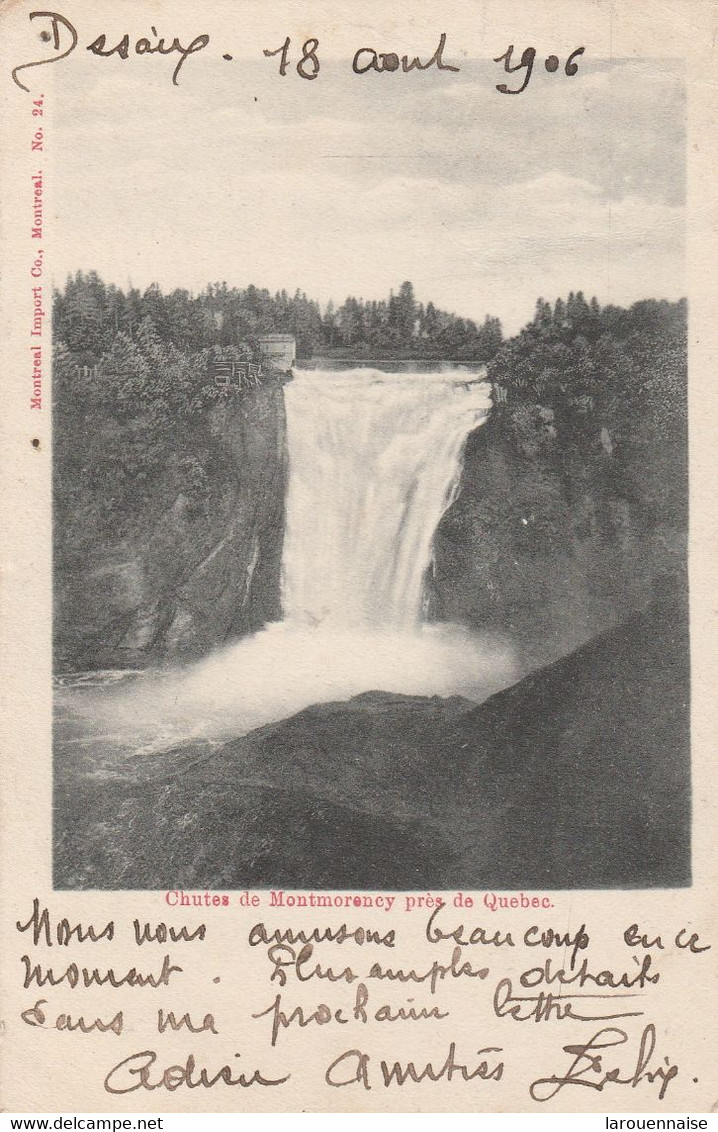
<point x="370" y="473"/>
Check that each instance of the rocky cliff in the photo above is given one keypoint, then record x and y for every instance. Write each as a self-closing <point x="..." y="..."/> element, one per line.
<point x="553" y="543"/>
<point x="195" y="557"/>
<point x="573" y="508"/>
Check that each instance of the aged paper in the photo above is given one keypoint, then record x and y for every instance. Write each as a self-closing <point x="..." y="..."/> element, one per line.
<point x="358" y="632"/>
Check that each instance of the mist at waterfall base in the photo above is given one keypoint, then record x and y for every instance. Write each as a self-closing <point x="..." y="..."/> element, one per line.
<point x="374" y="461"/>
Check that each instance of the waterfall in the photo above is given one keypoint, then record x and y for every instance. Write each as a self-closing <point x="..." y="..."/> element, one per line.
<point x="374" y="461"/>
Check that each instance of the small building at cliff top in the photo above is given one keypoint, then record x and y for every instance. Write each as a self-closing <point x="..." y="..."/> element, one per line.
<point x="279" y="351"/>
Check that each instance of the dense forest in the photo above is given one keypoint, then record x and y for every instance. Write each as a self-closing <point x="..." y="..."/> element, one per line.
<point x="573" y="501"/>
<point x="90" y="315"/>
<point x="584" y="381"/>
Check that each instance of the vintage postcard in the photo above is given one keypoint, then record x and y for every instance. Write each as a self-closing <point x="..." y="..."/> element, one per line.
<point x="358" y="558"/>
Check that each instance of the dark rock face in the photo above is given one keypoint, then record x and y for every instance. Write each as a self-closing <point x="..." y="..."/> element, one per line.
<point x="185" y="579"/>
<point x="588" y="762"/>
<point x="576" y="777"/>
<point x="555" y="544"/>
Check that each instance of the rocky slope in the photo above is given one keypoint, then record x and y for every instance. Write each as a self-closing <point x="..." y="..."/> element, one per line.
<point x="578" y="776"/>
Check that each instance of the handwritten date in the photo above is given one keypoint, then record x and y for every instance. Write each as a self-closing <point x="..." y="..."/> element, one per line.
<point x="63" y="38"/>
<point x="528" y="58"/>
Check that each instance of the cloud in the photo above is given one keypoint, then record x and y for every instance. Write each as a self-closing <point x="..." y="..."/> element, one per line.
<point x="483" y="201"/>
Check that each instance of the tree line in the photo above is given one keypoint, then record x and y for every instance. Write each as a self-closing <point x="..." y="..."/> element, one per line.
<point x="626" y="368"/>
<point x="580" y="390"/>
<point x="89" y="314"/>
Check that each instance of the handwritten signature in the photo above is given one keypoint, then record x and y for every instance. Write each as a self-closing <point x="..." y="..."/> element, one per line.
<point x="590" y="1063"/>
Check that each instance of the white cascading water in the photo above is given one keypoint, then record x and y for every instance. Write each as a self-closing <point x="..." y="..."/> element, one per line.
<point x="374" y="461"/>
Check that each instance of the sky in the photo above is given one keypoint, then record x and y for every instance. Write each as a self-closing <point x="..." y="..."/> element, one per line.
<point x="348" y="185"/>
